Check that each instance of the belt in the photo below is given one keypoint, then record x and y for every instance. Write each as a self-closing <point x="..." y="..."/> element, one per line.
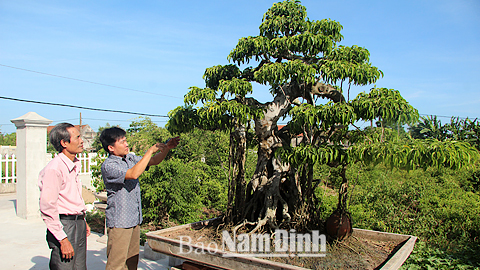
<point x="72" y="217"/>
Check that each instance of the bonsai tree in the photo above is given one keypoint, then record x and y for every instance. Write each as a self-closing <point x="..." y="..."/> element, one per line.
<point x="310" y="75"/>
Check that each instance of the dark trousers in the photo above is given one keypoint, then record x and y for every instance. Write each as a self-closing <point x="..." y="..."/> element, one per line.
<point x="76" y="231"/>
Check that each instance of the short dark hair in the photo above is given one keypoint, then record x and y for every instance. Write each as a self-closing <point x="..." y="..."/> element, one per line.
<point x="59" y="133"/>
<point x="110" y="135"/>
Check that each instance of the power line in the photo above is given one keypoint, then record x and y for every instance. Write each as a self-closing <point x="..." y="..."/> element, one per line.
<point x="100" y="119"/>
<point x="80" y="107"/>
<point x="443" y="116"/>
<point x="68" y="78"/>
<point x="134" y="113"/>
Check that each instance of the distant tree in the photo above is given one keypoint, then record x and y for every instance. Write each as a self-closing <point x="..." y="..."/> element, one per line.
<point x="428" y="127"/>
<point x="8" y="139"/>
<point x="458" y="130"/>
<point x="97" y="145"/>
<point x="143" y="133"/>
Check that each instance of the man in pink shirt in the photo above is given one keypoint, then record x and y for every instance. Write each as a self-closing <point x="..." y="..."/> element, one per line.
<point x="61" y="202"/>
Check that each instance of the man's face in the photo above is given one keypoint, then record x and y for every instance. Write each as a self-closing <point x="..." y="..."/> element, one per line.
<point x="120" y="147"/>
<point x="75" y="145"/>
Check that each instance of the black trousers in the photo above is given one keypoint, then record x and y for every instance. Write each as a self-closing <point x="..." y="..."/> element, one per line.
<point x="76" y="231"/>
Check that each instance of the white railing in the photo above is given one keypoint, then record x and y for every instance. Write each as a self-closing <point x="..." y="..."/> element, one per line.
<point x="8" y="171"/>
<point x="87" y="160"/>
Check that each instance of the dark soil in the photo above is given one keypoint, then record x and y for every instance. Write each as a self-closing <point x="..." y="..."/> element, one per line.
<point x="352" y="253"/>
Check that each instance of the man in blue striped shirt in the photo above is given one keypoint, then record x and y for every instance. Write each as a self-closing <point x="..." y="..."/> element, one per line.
<point x="120" y="172"/>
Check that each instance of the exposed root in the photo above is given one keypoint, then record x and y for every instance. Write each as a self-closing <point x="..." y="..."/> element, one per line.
<point x="260" y="224"/>
<point x="242" y="224"/>
<point x="218" y="227"/>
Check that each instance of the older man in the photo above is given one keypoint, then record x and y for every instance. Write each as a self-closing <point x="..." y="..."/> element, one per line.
<point x="61" y="202"/>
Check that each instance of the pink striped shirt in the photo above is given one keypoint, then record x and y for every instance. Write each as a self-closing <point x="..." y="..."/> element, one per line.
<point x="60" y="192"/>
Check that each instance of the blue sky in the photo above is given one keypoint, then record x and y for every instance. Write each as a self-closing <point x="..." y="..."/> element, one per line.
<point x="429" y="50"/>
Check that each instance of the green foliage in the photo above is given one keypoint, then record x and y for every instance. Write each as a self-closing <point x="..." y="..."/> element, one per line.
<point x="285" y="28"/>
<point x="235" y="87"/>
<point x="350" y="63"/>
<point x="389" y="132"/>
<point x="328" y="200"/>
<point x="427" y="257"/>
<point x="209" y="146"/>
<point x="183" y="119"/>
<point x="290" y="48"/>
<point x="96" y="221"/>
<point x="97" y="180"/>
<point x="197" y="94"/>
<point x="143" y="133"/>
<point x="207" y="151"/>
<point x="143" y="236"/>
<point x="410" y="154"/>
<point x="472" y="182"/>
<point x="215" y="115"/>
<point x="215" y="74"/>
<point x="283" y="18"/>
<point x="309" y="154"/>
<point x="8" y="139"/>
<point x="277" y="74"/>
<point x="461" y="130"/>
<point x="428" y="127"/>
<point x="323" y="116"/>
<point x="465" y="130"/>
<point x="50" y="148"/>
<point x="369" y="146"/>
<point x="385" y="104"/>
<point x="236" y="110"/>
<point x="428" y="204"/>
<point x="170" y="192"/>
<point x="355" y="54"/>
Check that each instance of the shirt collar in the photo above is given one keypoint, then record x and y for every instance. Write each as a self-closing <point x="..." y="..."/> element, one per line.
<point x="127" y="156"/>
<point x="115" y="157"/>
<point x="70" y="164"/>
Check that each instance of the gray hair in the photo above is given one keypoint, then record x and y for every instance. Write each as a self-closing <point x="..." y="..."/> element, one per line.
<point x="59" y="133"/>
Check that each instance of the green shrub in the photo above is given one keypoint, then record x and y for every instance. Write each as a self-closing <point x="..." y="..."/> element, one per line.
<point x="97" y="180"/>
<point x="170" y="192"/>
<point x="428" y="204"/>
<point x="8" y="139"/>
<point x="425" y="257"/>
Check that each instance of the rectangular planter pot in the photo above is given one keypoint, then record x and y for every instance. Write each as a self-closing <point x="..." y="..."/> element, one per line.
<point x="158" y="241"/>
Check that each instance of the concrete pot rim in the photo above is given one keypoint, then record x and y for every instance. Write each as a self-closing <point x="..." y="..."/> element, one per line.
<point x="102" y="195"/>
<point x="171" y="247"/>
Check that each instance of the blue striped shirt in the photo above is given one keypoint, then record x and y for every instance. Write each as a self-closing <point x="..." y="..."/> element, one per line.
<point x="124" y="203"/>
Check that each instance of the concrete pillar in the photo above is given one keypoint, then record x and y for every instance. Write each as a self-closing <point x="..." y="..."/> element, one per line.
<point x="31" y="159"/>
